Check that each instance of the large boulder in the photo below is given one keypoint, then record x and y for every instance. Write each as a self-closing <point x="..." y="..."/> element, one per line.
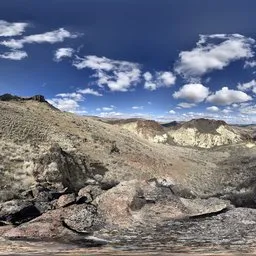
<point x="81" y="218"/>
<point x="48" y="225"/>
<point x="149" y="202"/>
<point x="133" y="202"/>
<point x="61" y="170"/>
<point x="68" y="223"/>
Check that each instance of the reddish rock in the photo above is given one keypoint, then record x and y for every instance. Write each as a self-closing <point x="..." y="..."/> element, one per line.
<point x="136" y="201"/>
<point x="66" y="224"/>
<point x="66" y="200"/>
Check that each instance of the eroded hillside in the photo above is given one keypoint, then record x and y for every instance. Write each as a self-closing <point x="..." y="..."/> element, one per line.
<point x="201" y="133"/>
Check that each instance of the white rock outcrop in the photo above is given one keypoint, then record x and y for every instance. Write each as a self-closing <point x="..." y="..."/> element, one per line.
<point x="192" y="137"/>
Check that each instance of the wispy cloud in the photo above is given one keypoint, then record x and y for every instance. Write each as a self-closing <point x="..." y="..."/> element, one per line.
<point x="116" y="75"/>
<point x="14" y="55"/>
<point x="106" y="109"/>
<point x="250" y="64"/>
<point x="248" y="110"/>
<point x="89" y="91"/>
<point x="62" y="53"/>
<point x="137" y="107"/>
<point x="248" y="86"/>
<point x="186" y="105"/>
<point x="8" y="29"/>
<point x="75" y="96"/>
<point x="52" y="37"/>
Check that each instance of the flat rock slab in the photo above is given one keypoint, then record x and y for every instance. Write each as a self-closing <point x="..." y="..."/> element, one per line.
<point x="201" y="207"/>
<point x="132" y="202"/>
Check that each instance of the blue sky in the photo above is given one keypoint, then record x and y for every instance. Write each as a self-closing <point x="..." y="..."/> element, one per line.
<point x="160" y="59"/>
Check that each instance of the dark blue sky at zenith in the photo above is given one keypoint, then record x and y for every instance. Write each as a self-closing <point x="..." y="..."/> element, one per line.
<point x="161" y="59"/>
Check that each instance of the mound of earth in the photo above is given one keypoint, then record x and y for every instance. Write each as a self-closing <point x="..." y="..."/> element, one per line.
<point x="204" y="133"/>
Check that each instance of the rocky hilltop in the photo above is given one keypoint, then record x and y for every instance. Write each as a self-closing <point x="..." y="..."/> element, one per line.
<point x="204" y="133"/>
<point x="68" y="178"/>
<point x="10" y="97"/>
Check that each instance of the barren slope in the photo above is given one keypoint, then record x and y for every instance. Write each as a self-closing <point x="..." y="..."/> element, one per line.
<point x="29" y="128"/>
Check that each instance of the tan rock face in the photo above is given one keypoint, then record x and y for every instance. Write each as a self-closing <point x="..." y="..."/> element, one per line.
<point x="193" y="137"/>
<point x="146" y="129"/>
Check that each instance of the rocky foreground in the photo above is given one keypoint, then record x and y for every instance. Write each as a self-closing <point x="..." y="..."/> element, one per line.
<point x="82" y="182"/>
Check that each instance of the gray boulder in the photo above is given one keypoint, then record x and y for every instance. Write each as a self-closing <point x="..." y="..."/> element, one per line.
<point x="81" y="218"/>
<point x="18" y="211"/>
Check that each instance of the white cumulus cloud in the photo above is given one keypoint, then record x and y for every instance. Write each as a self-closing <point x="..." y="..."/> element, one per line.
<point x="166" y="78"/>
<point x="148" y="76"/>
<point x="68" y="102"/>
<point x="150" y="86"/>
<point x="192" y="92"/>
<point x="64" y="104"/>
<point x="158" y="79"/>
<point x="209" y="55"/>
<point x="227" y="96"/>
